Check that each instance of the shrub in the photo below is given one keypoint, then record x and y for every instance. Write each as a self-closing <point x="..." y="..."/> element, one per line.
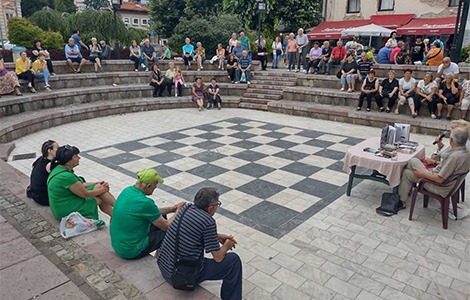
<point x="52" y="40"/>
<point x="47" y="19"/>
<point x="22" y="32"/>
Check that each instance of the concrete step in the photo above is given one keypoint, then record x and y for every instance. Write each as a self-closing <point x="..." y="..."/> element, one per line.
<point x="14" y="127"/>
<point x="266" y="86"/>
<point x="265" y="77"/>
<point x="255" y="106"/>
<point x="263" y="91"/>
<point x="273" y="82"/>
<point x="254" y="100"/>
<point x="262" y="96"/>
<point x="325" y="81"/>
<point x="13" y="105"/>
<point x="350" y="115"/>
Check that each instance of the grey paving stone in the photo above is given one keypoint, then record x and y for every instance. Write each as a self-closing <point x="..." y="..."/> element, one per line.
<point x="249" y="155"/>
<point x="317" y="291"/>
<point x="15" y="251"/>
<point x="314" y="187"/>
<point x="246" y="144"/>
<point x="282" y="144"/>
<point x="208" y="156"/>
<point x="192" y="190"/>
<point x="242" y="135"/>
<point x="208" y="145"/>
<point x="130" y="146"/>
<point x="207" y="171"/>
<point x="165" y="157"/>
<point x="336" y="155"/>
<point x="173" y="136"/>
<point x="271" y="126"/>
<point x="121" y="158"/>
<point x="291" y="155"/>
<point x="166" y="171"/>
<point x="319" y="143"/>
<point x="67" y="291"/>
<point x="310" y="133"/>
<point x="209" y="136"/>
<point x="352" y="141"/>
<point x="208" y="127"/>
<point x="343" y="288"/>
<point x="301" y="169"/>
<point x="254" y="170"/>
<point x="240" y="127"/>
<point x="170" y="146"/>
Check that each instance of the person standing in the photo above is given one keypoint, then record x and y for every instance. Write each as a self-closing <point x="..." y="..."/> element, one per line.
<point x="292" y="52"/>
<point x="418" y="50"/>
<point x="277" y="52"/>
<point x="301" y="42"/>
<point x="78" y="40"/>
<point x="245" y="41"/>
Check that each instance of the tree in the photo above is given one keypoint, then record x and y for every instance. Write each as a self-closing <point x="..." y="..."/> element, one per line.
<point x="96" y="4"/>
<point x="67" y="6"/>
<point x="166" y="15"/>
<point x="293" y="13"/>
<point x="28" y="7"/>
<point x="48" y="19"/>
<point x="21" y="32"/>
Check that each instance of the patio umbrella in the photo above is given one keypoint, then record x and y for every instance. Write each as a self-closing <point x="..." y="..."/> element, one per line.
<point x="367" y="30"/>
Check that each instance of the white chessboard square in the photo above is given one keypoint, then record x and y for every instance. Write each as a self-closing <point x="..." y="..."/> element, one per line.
<point x="283" y="178"/>
<point x="227" y="140"/>
<point x="230" y="162"/>
<point x="185" y="164"/>
<point x="182" y="180"/>
<point x="106" y="152"/>
<point x="193" y="132"/>
<point x="228" y="150"/>
<point x="307" y="149"/>
<point x="257" y="131"/>
<point x="254" y="124"/>
<point x="188" y="151"/>
<point x="192" y="140"/>
<point x="267" y="149"/>
<point x="296" y="139"/>
<point x="154" y="141"/>
<point x="261" y="139"/>
<point x="318" y="161"/>
<point x="289" y="130"/>
<point x="274" y="162"/>
<point x="339" y="147"/>
<point x="331" y="176"/>
<point x="232" y="179"/>
<point x="331" y="138"/>
<point x="147" y="152"/>
<point x="224" y="124"/>
<point x="137" y="165"/>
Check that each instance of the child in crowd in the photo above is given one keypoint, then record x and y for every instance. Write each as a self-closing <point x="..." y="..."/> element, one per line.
<point x="370" y="55"/>
<point x="179" y="82"/>
<point x="214" y="96"/>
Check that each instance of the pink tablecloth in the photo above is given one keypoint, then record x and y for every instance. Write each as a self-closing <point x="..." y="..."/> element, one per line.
<point x="355" y="156"/>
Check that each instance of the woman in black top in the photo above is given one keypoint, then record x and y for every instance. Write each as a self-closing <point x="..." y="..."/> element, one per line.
<point x="348" y="69"/>
<point x="157" y="81"/>
<point x="35" y="53"/>
<point x="262" y="55"/>
<point x="388" y="89"/>
<point x="448" y="94"/>
<point x="232" y="67"/>
<point x="41" y="170"/>
<point x="369" y="89"/>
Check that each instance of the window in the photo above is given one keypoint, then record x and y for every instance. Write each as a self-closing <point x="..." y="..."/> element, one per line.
<point x="126" y="21"/>
<point x="9" y="15"/>
<point x="354" y="6"/>
<point x="135" y="21"/>
<point x="453" y="2"/>
<point x="386" y="5"/>
<point x="144" y="22"/>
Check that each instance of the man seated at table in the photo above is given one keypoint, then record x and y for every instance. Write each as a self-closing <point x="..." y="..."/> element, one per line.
<point x="456" y="162"/>
<point x="138" y="225"/>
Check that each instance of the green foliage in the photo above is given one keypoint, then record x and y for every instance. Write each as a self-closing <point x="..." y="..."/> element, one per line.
<point x="166" y="15"/>
<point x="47" y="19"/>
<point x="67" y="6"/>
<point x="465" y="53"/>
<point x="96" y="4"/>
<point x="29" y="7"/>
<point x="209" y="31"/>
<point x="22" y="32"/>
<point x="52" y="40"/>
<point x="292" y="13"/>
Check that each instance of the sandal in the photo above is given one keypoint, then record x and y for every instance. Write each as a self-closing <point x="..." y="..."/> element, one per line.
<point x="358" y="108"/>
<point x="31" y="89"/>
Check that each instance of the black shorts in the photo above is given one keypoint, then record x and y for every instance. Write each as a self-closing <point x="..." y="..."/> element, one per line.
<point x="156" y="236"/>
<point x="75" y="59"/>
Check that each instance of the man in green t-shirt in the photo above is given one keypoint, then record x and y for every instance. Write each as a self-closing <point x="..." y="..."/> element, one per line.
<point x="138" y="226"/>
<point x="166" y="53"/>
<point x="245" y="42"/>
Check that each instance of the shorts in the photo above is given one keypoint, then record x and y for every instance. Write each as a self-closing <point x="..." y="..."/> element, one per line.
<point x="465" y="104"/>
<point x="156" y="236"/>
<point x="75" y="59"/>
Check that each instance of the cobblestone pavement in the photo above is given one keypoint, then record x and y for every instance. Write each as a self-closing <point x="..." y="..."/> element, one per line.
<point x="341" y="250"/>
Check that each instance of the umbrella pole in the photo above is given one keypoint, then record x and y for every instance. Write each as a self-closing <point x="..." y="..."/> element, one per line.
<point x="370" y="41"/>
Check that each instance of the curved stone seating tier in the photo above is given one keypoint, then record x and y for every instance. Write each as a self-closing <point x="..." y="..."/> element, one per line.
<point x="14" y="127"/>
<point x="381" y="70"/>
<point x="61" y="67"/>
<point x="33" y="102"/>
<point x="67" y="81"/>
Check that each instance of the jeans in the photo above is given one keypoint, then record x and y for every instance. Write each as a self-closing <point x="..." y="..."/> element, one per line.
<point x="229" y="270"/>
<point x="43" y="74"/>
<point x="238" y="72"/>
<point x="348" y="78"/>
<point x="303" y="58"/>
<point x="275" y="59"/>
<point x="292" y="56"/>
<point x="314" y="64"/>
<point x="334" y="61"/>
<point x="136" y="61"/>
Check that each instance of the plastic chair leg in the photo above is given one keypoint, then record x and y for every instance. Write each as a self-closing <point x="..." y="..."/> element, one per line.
<point x="426" y="201"/>
<point x="455" y="200"/>
<point x="445" y="212"/>
<point x="413" y="202"/>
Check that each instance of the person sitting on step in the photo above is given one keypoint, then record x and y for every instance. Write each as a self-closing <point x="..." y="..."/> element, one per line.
<point x="426" y="92"/>
<point x="179" y="82"/>
<point x="170" y="77"/>
<point x="369" y="89"/>
<point x="448" y="94"/>
<point x="41" y="171"/>
<point x="40" y="70"/>
<point x="38" y="48"/>
<point x="157" y="81"/>
<point x="149" y="54"/>
<point x="8" y="80"/>
<point x="69" y="193"/>
<point x="406" y="87"/>
<point x="139" y="226"/>
<point x="214" y="95"/>
<point x="95" y="51"/>
<point x="244" y="67"/>
<point x="23" y="70"/>
<point x="72" y="55"/>
<point x="388" y="89"/>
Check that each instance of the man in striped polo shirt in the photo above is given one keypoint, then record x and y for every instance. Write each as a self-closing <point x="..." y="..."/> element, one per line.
<point x="198" y="231"/>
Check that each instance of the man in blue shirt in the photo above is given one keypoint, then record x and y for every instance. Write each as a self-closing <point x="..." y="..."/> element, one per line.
<point x="72" y="55"/>
<point x="77" y="40"/>
<point x="244" y="67"/>
<point x="188" y="53"/>
<point x="149" y="54"/>
<point x="238" y="50"/>
<point x="383" y="57"/>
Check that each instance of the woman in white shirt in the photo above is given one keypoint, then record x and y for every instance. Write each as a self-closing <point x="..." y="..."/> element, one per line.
<point x="232" y="42"/>
<point x="277" y="52"/>
<point x="426" y="91"/>
<point x="464" y="100"/>
<point x="407" y="86"/>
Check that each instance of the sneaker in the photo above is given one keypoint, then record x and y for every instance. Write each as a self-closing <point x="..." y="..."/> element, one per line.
<point x="288" y="70"/>
<point x="306" y="72"/>
<point x="202" y="67"/>
<point x="176" y="95"/>
<point x="198" y="70"/>
<point x="142" y="65"/>
<point x="137" y="70"/>
<point x="237" y="82"/>
<point x="296" y="70"/>
<point x="48" y="89"/>
<point x="433" y="116"/>
<point x="341" y="89"/>
<point x="349" y="91"/>
<point x="146" y="69"/>
<point x="248" y="82"/>
<point x="200" y="108"/>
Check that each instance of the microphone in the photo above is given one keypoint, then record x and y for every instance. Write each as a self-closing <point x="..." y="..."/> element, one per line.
<point x="440" y="138"/>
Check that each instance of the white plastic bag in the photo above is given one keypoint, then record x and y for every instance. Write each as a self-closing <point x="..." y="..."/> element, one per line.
<point x="75" y="224"/>
<point x="462" y="211"/>
<point x="243" y="77"/>
<point x="214" y="59"/>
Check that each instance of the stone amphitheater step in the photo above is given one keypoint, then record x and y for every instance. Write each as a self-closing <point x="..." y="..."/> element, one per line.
<point x="256" y="81"/>
<point x="263" y="91"/>
<point x="267" y="86"/>
<point x="14" y="127"/>
<point x="262" y="96"/>
<point x="344" y="99"/>
<point x="61" y="67"/>
<point x="11" y="105"/>
<point x="254" y="100"/>
<point x="326" y="81"/>
<point x="256" y="106"/>
<point x="350" y="115"/>
<point x="276" y="78"/>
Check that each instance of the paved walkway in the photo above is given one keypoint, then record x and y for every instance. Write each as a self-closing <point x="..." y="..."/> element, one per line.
<point x="283" y="195"/>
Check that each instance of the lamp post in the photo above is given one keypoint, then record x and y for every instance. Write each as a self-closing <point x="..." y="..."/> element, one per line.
<point x="116" y="6"/>
<point x="261" y="9"/>
<point x="459" y="32"/>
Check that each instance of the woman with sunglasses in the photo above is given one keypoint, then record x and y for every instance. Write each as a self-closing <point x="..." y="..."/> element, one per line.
<point x="40" y="172"/>
<point x="69" y="193"/>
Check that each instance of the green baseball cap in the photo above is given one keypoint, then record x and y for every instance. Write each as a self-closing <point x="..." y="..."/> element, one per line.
<point x="149" y="176"/>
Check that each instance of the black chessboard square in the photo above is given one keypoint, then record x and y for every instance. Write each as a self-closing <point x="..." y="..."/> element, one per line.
<point x="260" y="188"/>
<point x="246" y="144"/>
<point x="207" y="171"/>
<point x="192" y="190"/>
<point x="275" y="134"/>
<point x="254" y="170"/>
<point x="166" y="171"/>
<point x="249" y="155"/>
<point x="209" y="136"/>
<point x="282" y="144"/>
<point x="208" y="156"/>
<point x="240" y="127"/>
<point x="207" y="127"/>
<point x="130" y="146"/>
<point x="165" y="157"/>
<point x="170" y="146"/>
<point x="332" y="154"/>
<point x="173" y="136"/>
<point x="319" y="143"/>
<point x="314" y="187"/>
<point x="242" y="135"/>
<point x="352" y="141"/>
<point x="121" y="158"/>
<point x="208" y="145"/>
<point x="310" y="133"/>
<point x="271" y="127"/>
<point x="301" y="169"/>
<point x="291" y="155"/>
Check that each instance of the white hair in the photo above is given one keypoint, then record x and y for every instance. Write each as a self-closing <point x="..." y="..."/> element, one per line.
<point x="301" y="29"/>
<point x="459" y="135"/>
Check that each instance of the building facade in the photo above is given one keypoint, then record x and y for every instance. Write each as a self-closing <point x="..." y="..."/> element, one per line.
<point x="8" y="9"/>
<point x="340" y="10"/>
<point x="135" y="14"/>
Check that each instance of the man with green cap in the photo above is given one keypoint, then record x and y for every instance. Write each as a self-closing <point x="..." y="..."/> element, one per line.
<point x="138" y="226"/>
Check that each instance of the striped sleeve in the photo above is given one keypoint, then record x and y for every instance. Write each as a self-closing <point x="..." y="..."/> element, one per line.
<point x="210" y="238"/>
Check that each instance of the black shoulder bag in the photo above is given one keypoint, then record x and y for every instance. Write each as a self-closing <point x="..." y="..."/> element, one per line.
<point x="390" y="205"/>
<point x="186" y="269"/>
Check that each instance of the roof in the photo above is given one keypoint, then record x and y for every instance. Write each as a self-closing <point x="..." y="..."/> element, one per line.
<point x="131" y="6"/>
<point x="391" y="21"/>
<point x="429" y="26"/>
<point x="332" y="29"/>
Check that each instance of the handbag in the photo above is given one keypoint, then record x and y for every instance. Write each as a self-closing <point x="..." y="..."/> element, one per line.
<point x="186" y="269"/>
<point x="278" y="52"/>
<point x="390" y="205"/>
<point x="339" y="74"/>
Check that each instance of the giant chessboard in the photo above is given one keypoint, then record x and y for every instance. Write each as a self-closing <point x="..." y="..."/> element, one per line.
<point x="270" y="177"/>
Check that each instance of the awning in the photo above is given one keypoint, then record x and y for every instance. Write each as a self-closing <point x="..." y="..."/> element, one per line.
<point x="429" y="26"/>
<point x="367" y="30"/>
<point x="332" y="30"/>
<point x="391" y="21"/>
